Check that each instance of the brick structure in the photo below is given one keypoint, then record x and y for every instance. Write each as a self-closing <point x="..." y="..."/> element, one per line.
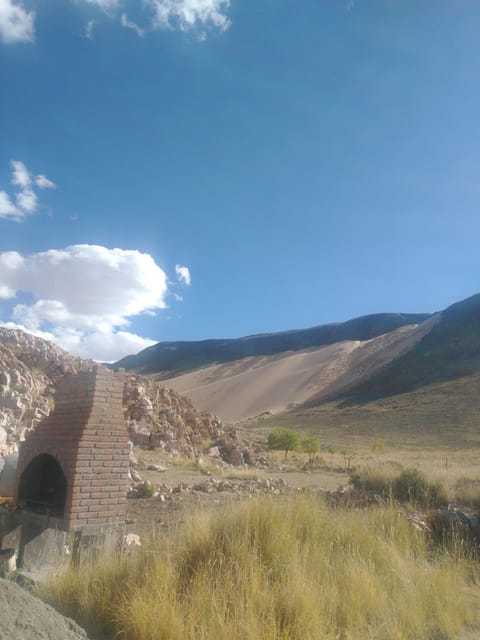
<point x="73" y="467"/>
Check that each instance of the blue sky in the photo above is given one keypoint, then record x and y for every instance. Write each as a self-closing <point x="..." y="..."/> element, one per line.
<point x="298" y="162"/>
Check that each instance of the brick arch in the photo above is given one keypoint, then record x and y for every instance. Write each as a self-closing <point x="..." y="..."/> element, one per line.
<point x="42" y="486"/>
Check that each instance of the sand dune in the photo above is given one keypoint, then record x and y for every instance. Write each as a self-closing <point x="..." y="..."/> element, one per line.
<point x="242" y="389"/>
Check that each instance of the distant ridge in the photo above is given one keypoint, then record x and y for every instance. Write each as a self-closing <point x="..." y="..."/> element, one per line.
<point x="450" y="350"/>
<point x="170" y="359"/>
<point x="363" y="360"/>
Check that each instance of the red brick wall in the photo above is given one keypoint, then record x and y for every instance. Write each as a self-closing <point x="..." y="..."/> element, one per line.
<point x="87" y="435"/>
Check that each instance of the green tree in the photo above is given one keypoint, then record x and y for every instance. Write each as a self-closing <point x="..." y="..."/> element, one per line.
<point x="281" y="439"/>
<point x="310" y="445"/>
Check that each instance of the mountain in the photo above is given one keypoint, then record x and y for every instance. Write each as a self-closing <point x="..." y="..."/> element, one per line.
<point x="242" y="378"/>
<point x="170" y="359"/>
<point x="360" y="361"/>
<point x="450" y="350"/>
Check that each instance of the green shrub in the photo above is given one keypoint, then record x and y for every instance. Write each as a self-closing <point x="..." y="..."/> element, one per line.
<point x="411" y="485"/>
<point x="281" y="439"/>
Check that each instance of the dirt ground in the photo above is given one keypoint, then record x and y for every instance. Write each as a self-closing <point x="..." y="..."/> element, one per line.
<point x="154" y="515"/>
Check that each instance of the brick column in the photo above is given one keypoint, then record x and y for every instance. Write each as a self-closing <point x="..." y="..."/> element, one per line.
<point x="87" y="436"/>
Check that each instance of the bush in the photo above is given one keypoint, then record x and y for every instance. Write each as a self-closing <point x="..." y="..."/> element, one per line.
<point x="283" y="440"/>
<point x="410" y="485"/>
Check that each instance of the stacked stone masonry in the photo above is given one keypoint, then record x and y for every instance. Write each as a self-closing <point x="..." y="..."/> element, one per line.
<point x="86" y="434"/>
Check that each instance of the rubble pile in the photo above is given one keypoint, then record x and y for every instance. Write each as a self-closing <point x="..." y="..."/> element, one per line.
<point x="255" y="486"/>
<point x="157" y="417"/>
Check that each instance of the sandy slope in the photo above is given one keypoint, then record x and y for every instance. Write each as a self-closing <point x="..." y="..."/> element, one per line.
<point x="245" y="388"/>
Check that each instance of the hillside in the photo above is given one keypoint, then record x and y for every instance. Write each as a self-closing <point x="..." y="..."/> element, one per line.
<point x="451" y="350"/>
<point x="367" y="358"/>
<point x="31" y="367"/>
<point x="245" y="388"/>
<point x="170" y="359"/>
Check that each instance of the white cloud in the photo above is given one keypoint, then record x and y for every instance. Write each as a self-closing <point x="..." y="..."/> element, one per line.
<point x="88" y="33"/>
<point x="26" y="200"/>
<point x="105" y="5"/>
<point x="16" y="24"/>
<point x="129" y="24"/>
<point x="183" y="274"/>
<point x="7" y="209"/>
<point x="187" y="14"/>
<point x="169" y="14"/>
<point x="43" y="182"/>
<point x="20" y="175"/>
<point x="84" y="296"/>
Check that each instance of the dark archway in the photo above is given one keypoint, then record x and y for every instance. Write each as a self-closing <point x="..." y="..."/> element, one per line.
<point x="43" y="486"/>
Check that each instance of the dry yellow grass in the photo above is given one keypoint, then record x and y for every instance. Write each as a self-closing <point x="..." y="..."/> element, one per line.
<point x="279" y="570"/>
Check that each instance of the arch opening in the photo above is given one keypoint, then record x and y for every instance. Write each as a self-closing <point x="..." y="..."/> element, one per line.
<point x="43" y="486"/>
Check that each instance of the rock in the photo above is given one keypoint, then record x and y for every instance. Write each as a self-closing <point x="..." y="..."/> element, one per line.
<point x="156" y="467"/>
<point x="139" y="434"/>
<point x="230" y="449"/>
<point x="131" y="540"/>
<point x="133" y="460"/>
<point x="8" y="476"/>
<point x="204" y="487"/>
<point x="135" y="476"/>
<point x="141" y="490"/>
<point x="30" y="369"/>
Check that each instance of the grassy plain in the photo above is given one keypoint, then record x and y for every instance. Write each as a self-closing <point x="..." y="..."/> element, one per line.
<point x="435" y="429"/>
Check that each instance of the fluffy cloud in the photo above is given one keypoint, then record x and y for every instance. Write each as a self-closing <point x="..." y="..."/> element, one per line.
<point x="84" y="296"/>
<point x="26" y="200"/>
<point x="16" y="24"/>
<point x="183" y="274"/>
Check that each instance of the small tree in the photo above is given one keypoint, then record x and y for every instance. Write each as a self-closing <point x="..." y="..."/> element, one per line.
<point x="332" y="451"/>
<point x="378" y="445"/>
<point x="281" y="439"/>
<point x="310" y="445"/>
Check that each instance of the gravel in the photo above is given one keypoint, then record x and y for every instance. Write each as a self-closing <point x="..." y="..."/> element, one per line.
<point x="25" y="617"/>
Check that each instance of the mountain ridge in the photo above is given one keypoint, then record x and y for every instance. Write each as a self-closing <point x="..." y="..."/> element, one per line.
<point x="364" y="359"/>
<point x="170" y="359"/>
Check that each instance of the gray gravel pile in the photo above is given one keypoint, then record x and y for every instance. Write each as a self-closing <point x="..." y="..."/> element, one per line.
<point x="25" y="617"/>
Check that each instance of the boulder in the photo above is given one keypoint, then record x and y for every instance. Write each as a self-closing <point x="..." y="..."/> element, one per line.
<point x="8" y="476"/>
